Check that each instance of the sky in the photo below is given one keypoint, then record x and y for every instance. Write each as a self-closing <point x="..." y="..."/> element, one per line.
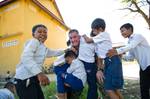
<point x="79" y="14"/>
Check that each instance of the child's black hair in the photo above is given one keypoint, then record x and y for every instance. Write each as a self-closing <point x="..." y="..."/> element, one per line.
<point x="70" y="53"/>
<point x="127" y="26"/>
<point x="92" y="34"/>
<point x="36" y="26"/>
<point x="98" y="23"/>
<point x="68" y="43"/>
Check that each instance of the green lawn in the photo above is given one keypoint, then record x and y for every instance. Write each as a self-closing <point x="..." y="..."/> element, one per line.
<point x="130" y="91"/>
<point x="50" y="91"/>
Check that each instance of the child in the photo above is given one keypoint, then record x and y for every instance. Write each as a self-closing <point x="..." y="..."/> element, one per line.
<point x="138" y="48"/>
<point x="113" y="68"/>
<point x="74" y="78"/>
<point x="8" y="91"/>
<point x="29" y="74"/>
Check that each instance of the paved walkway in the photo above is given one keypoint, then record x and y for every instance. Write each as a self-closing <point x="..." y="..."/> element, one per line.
<point x="131" y="70"/>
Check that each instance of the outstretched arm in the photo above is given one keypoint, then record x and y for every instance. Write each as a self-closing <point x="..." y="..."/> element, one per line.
<point x="87" y="39"/>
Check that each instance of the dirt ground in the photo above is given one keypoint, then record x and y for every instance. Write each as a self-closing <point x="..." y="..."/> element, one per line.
<point x="131" y="89"/>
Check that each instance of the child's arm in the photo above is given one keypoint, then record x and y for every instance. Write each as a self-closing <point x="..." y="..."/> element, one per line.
<point x="137" y="39"/>
<point x="100" y="64"/>
<point x="87" y="39"/>
<point x="51" y="53"/>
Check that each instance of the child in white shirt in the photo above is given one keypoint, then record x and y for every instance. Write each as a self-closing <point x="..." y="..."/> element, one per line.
<point x="112" y="66"/>
<point x="74" y="78"/>
<point x="137" y="48"/>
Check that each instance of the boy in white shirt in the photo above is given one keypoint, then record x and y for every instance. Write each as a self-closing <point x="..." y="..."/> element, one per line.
<point x="29" y="73"/>
<point x="138" y="48"/>
<point x="113" y="67"/>
<point x="74" y="78"/>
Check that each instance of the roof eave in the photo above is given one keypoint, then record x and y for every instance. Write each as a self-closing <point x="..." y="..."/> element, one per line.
<point x="50" y="13"/>
<point x="5" y="2"/>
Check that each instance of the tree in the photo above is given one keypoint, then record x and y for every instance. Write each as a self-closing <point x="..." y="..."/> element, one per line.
<point x="136" y="6"/>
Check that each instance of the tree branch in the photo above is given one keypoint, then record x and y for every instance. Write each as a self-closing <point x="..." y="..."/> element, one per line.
<point x="148" y="2"/>
<point x="140" y="11"/>
<point x="132" y="10"/>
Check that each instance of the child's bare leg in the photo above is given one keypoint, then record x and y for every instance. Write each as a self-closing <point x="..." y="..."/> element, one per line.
<point x="119" y="94"/>
<point x="61" y="96"/>
<point x="112" y="94"/>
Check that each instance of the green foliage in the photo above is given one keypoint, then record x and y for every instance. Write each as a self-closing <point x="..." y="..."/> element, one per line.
<point x="50" y="91"/>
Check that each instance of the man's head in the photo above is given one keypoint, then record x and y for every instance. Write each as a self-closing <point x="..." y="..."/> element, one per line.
<point x="97" y="26"/>
<point x="126" y="30"/>
<point x="40" y="32"/>
<point x="69" y="56"/>
<point x="10" y="86"/>
<point x="74" y="38"/>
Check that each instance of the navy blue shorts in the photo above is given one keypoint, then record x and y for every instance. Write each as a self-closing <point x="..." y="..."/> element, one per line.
<point x="74" y="83"/>
<point x="113" y="73"/>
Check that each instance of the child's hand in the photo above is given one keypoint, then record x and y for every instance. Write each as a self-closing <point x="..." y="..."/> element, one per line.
<point x="63" y="75"/>
<point x="73" y="49"/>
<point x="43" y="79"/>
<point x="84" y="35"/>
<point x="112" y="52"/>
<point x="100" y="76"/>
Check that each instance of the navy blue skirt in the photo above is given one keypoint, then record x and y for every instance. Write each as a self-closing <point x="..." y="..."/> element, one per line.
<point x="113" y="73"/>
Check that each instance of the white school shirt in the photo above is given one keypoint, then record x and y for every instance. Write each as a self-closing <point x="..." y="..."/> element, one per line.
<point x="59" y="61"/>
<point x="86" y="51"/>
<point x="6" y="94"/>
<point x="32" y="59"/>
<point x="138" y="48"/>
<point x="103" y="44"/>
<point x="77" y="69"/>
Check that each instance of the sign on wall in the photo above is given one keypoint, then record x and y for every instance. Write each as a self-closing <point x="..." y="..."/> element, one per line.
<point x="10" y="43"/>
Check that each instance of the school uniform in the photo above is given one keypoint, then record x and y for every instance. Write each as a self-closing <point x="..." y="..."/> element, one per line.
<point x="113" y="66"/>
<point x="6" y="94"/>
<point x="75" y="76"/>
<point x="60" y="66"/>
<point x="138" y="48"/>
<point x="86" y="55"/>
<point x="30" y="66"/>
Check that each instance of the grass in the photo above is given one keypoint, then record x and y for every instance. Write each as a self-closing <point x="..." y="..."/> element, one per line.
<point x="130" y="91"/>
<point x="50" y="91"/>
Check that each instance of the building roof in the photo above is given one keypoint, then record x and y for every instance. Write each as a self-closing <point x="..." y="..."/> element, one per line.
<point x="5" y="2"/>
<point x="61" y="21"/>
